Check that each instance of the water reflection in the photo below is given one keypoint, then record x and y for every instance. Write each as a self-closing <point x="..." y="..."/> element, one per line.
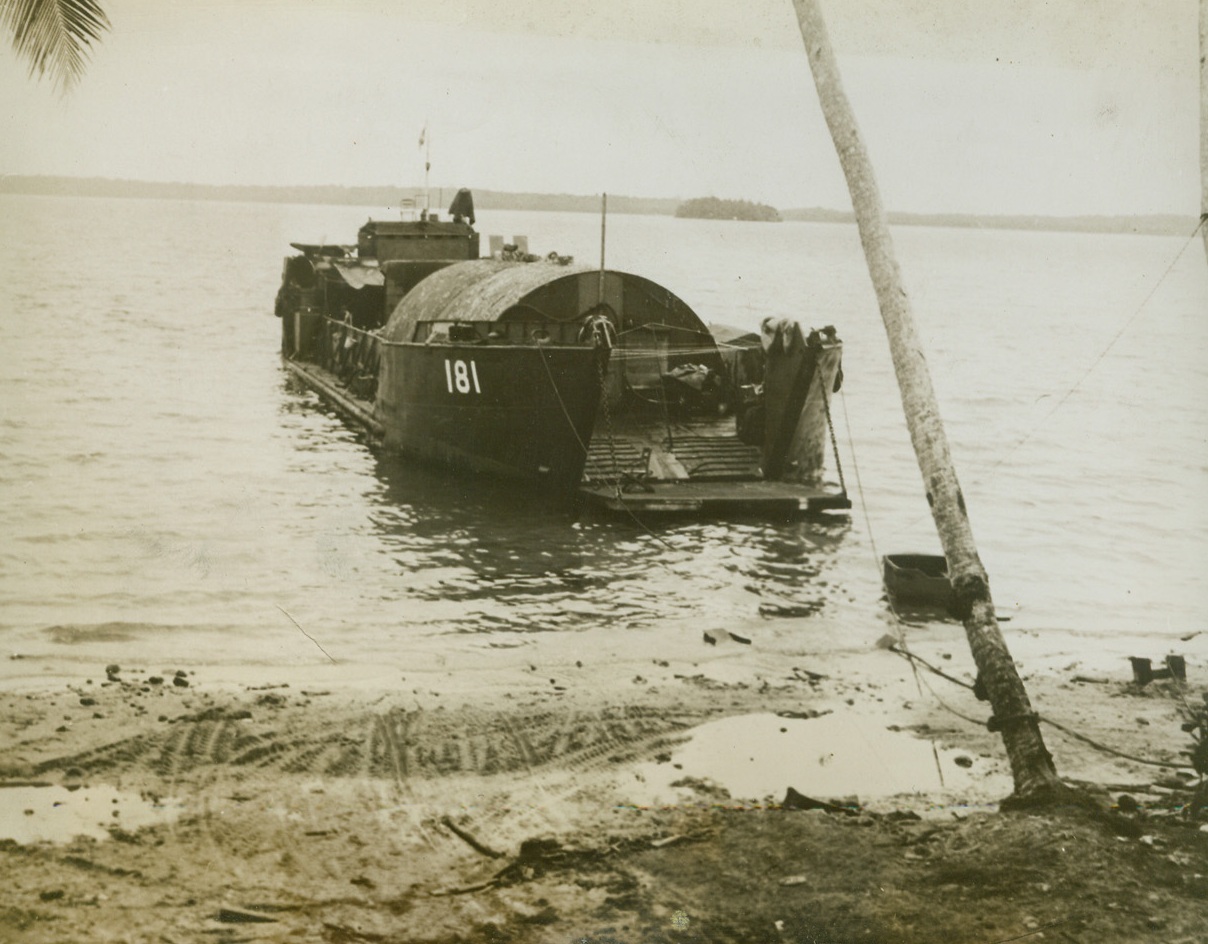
<point x="835" y="756"/>
<point x="526" y="561"/>
<point x="217" y="492"/>
<point x="32" y="813"/>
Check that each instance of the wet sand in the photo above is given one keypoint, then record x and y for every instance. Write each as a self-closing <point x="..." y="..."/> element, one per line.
<point x="539" y="794"/>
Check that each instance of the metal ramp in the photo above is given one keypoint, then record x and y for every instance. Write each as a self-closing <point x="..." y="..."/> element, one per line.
<point x="654" y="454"/>
<point x="713" y="458"/>
<point x="653" y="469"/>
<point x="624" y="458"/>
<point x="755" y="499"/>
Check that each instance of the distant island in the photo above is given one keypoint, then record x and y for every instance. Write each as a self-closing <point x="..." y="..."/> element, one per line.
<point x="711" y="208"/>
<point x="1167" y="224"/>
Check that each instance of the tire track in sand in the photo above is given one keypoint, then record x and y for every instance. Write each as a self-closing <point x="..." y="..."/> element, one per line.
<point x="398" y="744"/>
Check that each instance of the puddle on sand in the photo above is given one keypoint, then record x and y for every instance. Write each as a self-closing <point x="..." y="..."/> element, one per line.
<point x="834" y="756"/>
<point x="56" y="814"/>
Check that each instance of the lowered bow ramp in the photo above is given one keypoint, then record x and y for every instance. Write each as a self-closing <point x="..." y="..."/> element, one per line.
<point x="755" y="498"/>
<point x="666" y="462"/>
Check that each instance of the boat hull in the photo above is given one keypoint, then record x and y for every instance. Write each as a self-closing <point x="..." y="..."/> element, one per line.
<point x="917" y="580"/>
<point x="524" y="411"/>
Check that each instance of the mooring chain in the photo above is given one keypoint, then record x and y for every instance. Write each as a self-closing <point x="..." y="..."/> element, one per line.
<point x="604" y="395"/>
<point x="830" y="425"/>
<point x="558" y="396"/>
<point x="612" y="445"/>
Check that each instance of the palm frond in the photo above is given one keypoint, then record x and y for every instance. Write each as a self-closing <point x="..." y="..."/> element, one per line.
<point x="54" y="36"/>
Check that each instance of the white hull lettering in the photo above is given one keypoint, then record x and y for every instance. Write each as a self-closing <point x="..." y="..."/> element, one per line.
<point x="461" y="377"/>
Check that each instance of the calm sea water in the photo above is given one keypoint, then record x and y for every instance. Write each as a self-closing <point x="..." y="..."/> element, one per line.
<point x="167" y="488"/>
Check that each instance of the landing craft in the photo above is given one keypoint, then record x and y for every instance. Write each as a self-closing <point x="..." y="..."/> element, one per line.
<point x="565" y="376"/>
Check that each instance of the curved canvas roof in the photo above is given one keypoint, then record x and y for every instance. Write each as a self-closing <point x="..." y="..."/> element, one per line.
<point x="481" y="290"/>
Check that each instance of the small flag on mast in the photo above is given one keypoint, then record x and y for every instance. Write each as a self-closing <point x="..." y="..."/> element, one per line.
<point x="423" y="134"/>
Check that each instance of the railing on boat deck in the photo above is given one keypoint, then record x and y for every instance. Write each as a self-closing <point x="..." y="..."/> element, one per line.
<point x="351" y="354"/>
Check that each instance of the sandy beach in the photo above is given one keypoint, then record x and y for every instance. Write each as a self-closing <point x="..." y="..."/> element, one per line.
<point x="532" y="794"/>
<point x="264" y="681"/>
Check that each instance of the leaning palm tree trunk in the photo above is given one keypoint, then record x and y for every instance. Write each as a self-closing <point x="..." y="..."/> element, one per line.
<point x="1204" y="123"/>
<point x="1031" y="764"/>
<point x="54" y="36"/>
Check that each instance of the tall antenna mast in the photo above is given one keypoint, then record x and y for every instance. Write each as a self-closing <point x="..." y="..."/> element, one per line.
<point x="427" y="167"/>
<point x="603" y="231"/>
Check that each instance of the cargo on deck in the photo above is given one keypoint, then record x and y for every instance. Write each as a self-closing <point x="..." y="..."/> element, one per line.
<point x="595" y="382"/>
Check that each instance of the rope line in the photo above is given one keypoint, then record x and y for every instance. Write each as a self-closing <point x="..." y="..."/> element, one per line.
<point x="1099" y="746"/>
<point x="1065" y="729"/>
<point x="558" y="395"/>
<point x="915" y="660"/>
<point x="985" y="477"/>
<point x="903" y="651"/>
<point x="670" y="327"/>
<point x="612" y="443"/>
<point x="855" y="464"/>
<point x="305" y="633"/>
<point x="1102" y="354"/>
<point x="632" y="354"/>
<point x="898" y="622"/>
<point x="830" y="425"/>
<point x="620" y="496"/>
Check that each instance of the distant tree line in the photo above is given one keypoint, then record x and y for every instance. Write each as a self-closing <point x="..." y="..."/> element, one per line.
<point x="377" y="197"/>
<point x="382" y="196"/>
<point x="711" y="208"/>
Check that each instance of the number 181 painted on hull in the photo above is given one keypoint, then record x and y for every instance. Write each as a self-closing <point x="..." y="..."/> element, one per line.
<point x="461" y="378"/>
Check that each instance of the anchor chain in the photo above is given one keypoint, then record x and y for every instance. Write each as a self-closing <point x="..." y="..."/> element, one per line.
<point x="830" y="425"/>
<point x="602" y="338"/>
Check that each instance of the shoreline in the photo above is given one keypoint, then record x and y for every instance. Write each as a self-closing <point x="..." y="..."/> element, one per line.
<point x="353" y="803"/>
<point x="1146" y="224"/>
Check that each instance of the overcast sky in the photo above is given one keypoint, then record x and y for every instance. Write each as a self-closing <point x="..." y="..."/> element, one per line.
<point x="1060" y="107"/>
